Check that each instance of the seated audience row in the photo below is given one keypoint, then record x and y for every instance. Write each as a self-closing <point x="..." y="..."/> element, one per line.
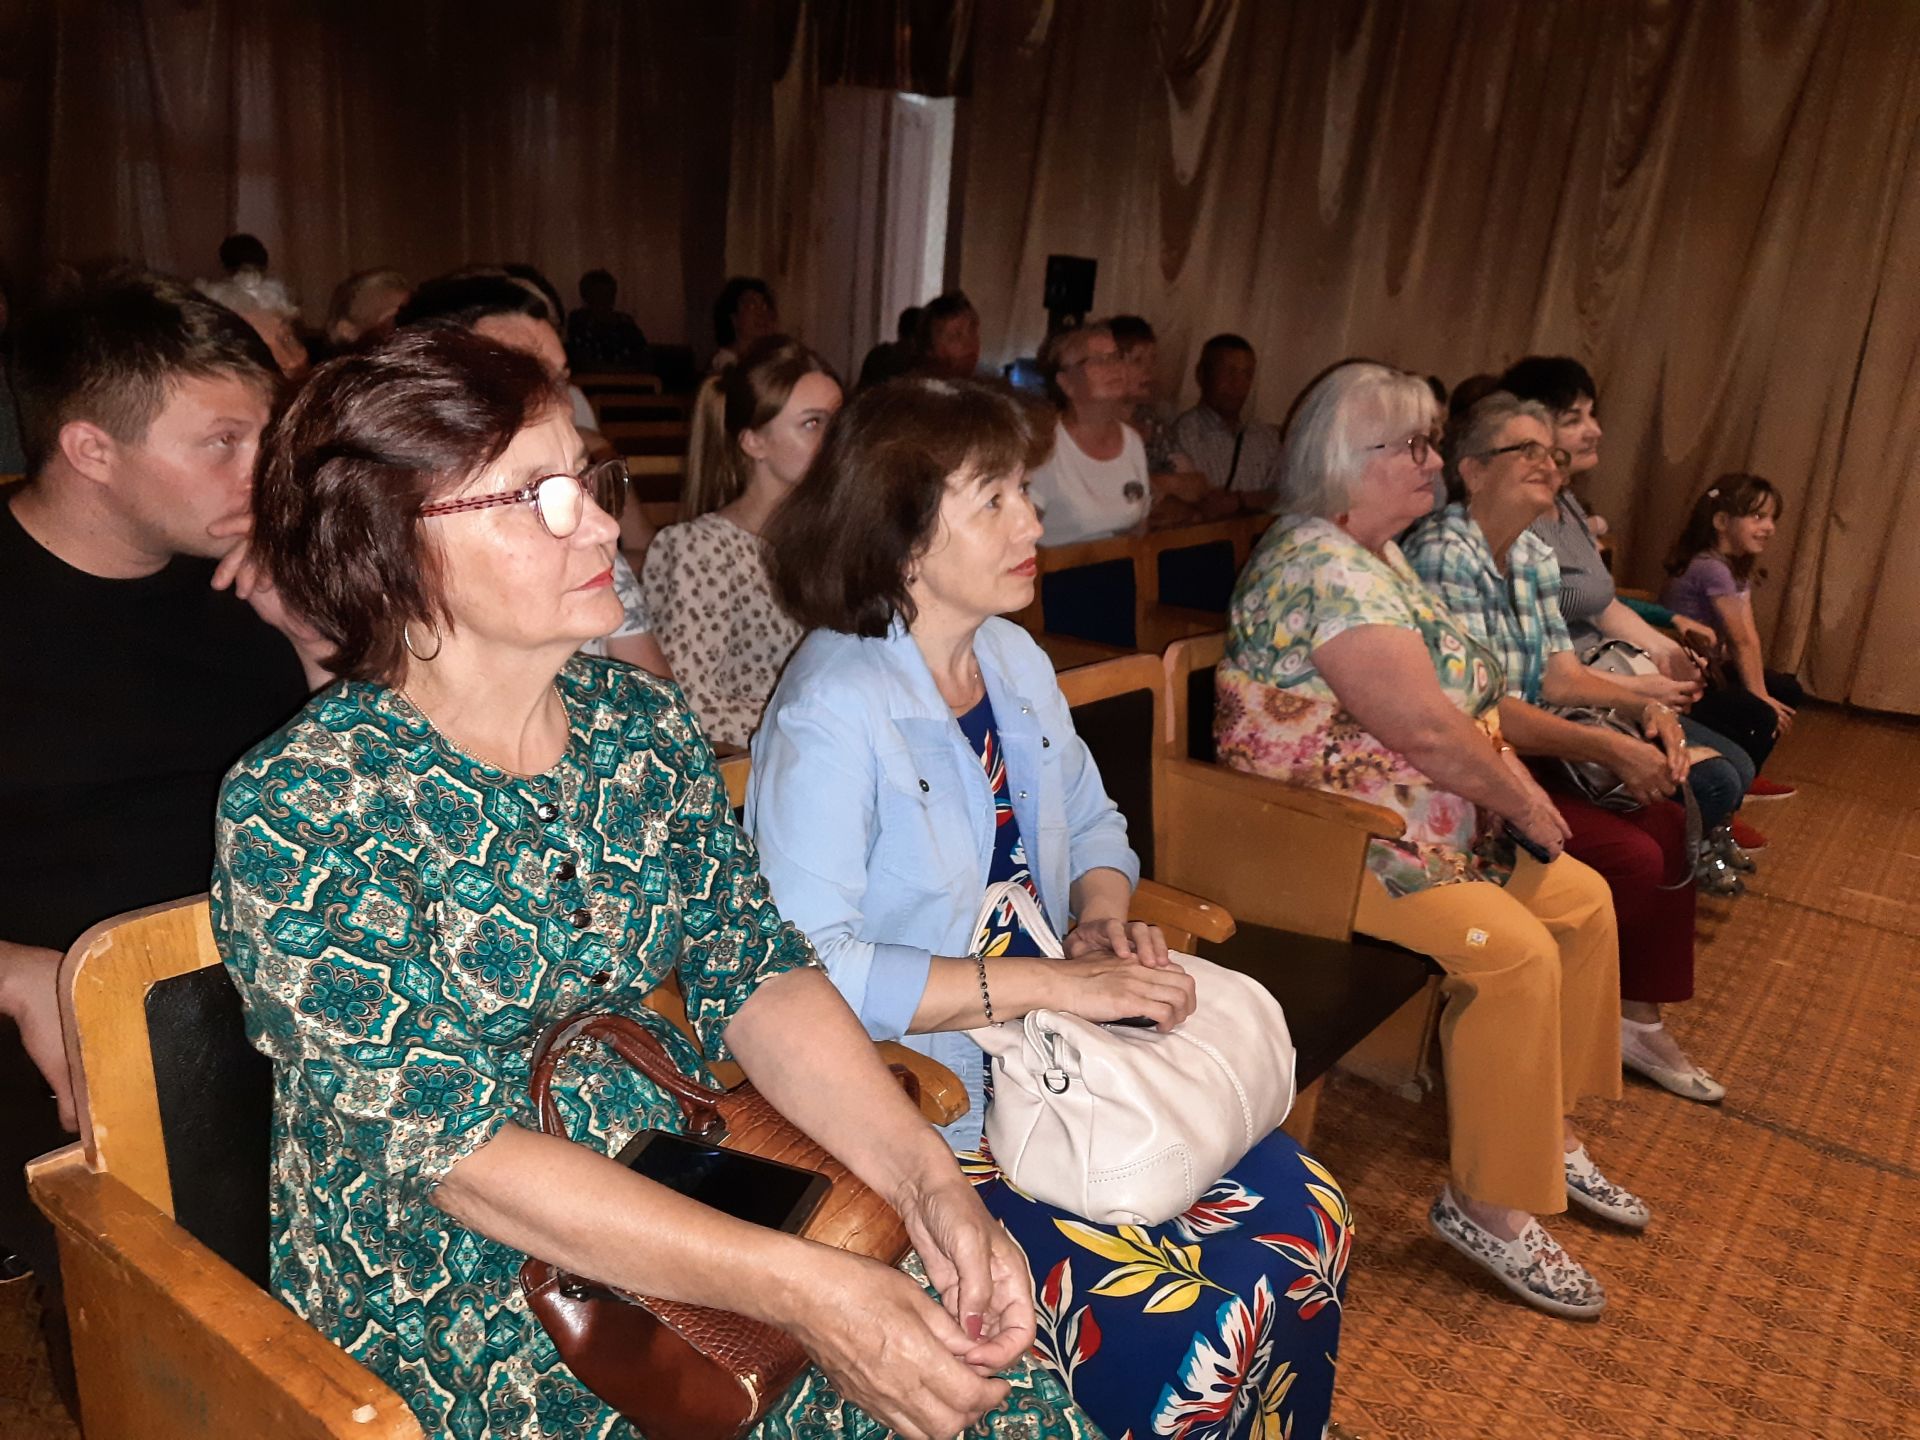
<point x="429" y="526"/>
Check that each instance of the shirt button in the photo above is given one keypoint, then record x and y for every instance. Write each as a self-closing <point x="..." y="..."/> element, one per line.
<point x="564" y="871"/>
<point x="547" y="811"/>
<point x="925" y="787"/>
<point x="600" y="977"/>
<point x="1045" y="743"/>
<point x="581" y="918"/>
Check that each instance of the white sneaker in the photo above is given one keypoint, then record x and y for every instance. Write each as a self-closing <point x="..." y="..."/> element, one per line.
<point x="1692" y="1083"/>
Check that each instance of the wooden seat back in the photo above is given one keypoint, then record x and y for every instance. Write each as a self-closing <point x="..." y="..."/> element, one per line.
<point x="1141" y="591"/>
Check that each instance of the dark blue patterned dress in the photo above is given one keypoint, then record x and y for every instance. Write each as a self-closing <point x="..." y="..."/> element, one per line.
<point x="1223" y="1323"/>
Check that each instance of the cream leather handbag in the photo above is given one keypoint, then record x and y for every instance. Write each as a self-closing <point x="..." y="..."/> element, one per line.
<point x="1126" y="1126"/>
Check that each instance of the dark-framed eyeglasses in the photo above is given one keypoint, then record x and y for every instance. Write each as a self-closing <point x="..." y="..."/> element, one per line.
<point x="559" y="501"/>
<point x="1419" y="446"/>
<point x="1533" y="452"/>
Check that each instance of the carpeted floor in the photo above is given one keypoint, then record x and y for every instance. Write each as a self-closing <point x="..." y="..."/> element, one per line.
<point x="1777" y="1293"/>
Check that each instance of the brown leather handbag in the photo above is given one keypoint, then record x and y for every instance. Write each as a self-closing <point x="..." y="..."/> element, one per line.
<point x="677" y="1371"/>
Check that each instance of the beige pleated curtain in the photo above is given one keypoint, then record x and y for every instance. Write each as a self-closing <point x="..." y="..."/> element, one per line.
<point x="1715" y="204"/>
<point x="419" y="134"/>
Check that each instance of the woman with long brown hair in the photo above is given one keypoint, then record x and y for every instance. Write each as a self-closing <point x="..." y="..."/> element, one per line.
<point x="756" y="427"/>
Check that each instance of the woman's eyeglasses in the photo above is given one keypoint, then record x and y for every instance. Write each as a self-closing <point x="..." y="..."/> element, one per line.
<point x="1419" y="446"/>
<point x="560" y="501"/>
<point x="1533" y="452"/>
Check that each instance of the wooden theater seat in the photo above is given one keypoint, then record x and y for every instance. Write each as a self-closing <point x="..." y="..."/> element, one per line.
<point x="162" y="1206"/>
<point x="1286" y="863"/>
<point x="1141" y="592"/>
<point x="1382" y="1013"/>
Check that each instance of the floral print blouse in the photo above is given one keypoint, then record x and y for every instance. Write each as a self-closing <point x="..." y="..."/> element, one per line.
<point x="1309" y="581"/>
<point x="403" y="923"/>
<point x="708" y="591"/>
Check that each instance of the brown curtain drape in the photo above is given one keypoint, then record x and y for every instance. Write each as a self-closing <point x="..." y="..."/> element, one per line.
<point x="349" y="134"/>
<point x="1715" y="205"/>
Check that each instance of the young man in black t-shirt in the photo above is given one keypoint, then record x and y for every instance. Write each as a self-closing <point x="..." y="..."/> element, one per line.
<point x="131" y="677"/>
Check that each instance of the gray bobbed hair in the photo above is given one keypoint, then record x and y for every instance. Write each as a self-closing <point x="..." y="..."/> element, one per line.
<point x="1473" y="433"/>
<point x="1337" y="424"/>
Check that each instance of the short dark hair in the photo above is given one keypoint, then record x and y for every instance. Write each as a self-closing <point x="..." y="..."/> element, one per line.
<point x="843" y="541"/>
<point x="242" y="252"/>
<point x="908" y="324"/>
<point x="1558" y="382"/>
<point x="728" y="301"/>
<point x="936" y="312"/>
<point x="370" y="438"/>
<point x="459" y="302"/>
<point x="111" y="348"/>
<point x="1220" y="345"/>
<point x="601" y="279"/>
<point x="533" y="275"/>
<point x="1130" y="331"/>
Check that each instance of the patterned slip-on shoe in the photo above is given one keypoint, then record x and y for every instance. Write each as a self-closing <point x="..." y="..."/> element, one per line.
<point x="1692" y="1083"/>
<point x="1534" y="1267"/>
<point x="1597" y="1195"/>
<point x="1721" y="843"/>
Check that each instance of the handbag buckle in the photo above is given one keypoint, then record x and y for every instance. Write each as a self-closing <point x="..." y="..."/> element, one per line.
<point x="1053" y="1074"/>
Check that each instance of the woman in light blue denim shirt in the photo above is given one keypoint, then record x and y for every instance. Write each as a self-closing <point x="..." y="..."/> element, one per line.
<point x="917" y="748"/>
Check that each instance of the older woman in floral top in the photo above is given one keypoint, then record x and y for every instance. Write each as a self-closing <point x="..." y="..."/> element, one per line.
<point x="476" y="834"/>
<point x="1344" y="674"/>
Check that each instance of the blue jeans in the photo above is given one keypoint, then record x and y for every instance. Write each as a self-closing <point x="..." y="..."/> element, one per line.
<point x="1719" y="785"/>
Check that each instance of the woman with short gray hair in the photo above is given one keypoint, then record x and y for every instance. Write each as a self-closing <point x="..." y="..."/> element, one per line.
<point x="1343" y="673"/>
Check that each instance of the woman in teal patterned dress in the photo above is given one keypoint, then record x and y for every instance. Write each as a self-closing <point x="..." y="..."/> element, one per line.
<point x="475" y="834"/>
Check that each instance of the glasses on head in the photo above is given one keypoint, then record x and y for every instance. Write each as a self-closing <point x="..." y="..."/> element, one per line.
<point x="1533" y="452"/>
<point x="560" y="501"/>
<point x="1099" y="357"/>
<point x="1419" y="446"/>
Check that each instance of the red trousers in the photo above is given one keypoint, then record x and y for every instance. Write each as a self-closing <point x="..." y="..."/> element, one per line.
<point x="1638" y="851"/>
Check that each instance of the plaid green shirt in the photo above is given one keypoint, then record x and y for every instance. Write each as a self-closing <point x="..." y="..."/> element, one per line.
<point x="1516" y="615"/>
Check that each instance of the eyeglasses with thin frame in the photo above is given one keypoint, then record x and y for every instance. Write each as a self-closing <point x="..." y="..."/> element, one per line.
<point x="1419" y="445"/>
<point x="559" y="501"/>
<point x="1533" y="452"/>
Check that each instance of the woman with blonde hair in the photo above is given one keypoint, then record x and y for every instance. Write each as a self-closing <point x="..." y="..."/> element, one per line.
<point x="756" y="427"/>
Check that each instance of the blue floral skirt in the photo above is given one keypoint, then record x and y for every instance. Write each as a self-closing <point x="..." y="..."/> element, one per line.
<point x="1223" y="1323"/>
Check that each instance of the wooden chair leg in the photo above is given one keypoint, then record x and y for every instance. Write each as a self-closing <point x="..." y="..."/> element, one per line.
<point x="1306" y="1108"/>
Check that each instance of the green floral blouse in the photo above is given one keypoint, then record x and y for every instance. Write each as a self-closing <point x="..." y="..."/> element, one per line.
<point x="1309" y="581"/>
<point x="403" y="923"/>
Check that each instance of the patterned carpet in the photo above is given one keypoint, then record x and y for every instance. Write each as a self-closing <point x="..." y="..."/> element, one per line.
<point x="1777" y="1293"/>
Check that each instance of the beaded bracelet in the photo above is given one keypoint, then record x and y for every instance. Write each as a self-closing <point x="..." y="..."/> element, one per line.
<point x="986" y="1000"/>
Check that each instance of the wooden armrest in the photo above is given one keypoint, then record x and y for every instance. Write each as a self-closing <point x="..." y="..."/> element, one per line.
<point x="1173" y="909"/>
<point x="943" y="1099"/>
<point x="1320" y="804"/>
<point x="171" y="1341"/>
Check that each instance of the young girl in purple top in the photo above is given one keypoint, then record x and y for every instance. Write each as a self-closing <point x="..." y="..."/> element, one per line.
<point x="1712" y="569"/>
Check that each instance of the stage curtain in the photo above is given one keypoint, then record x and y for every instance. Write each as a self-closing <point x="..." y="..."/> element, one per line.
<point x="348" y="134"/>
<point x="1715" y="205"/>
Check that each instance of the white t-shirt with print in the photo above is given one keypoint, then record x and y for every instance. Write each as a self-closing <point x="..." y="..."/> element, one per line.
<point x="1081" y="498"/>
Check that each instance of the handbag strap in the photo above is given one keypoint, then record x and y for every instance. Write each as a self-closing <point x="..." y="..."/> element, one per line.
<point x="641" y="1049"/>
<point x="1026" y="909"/>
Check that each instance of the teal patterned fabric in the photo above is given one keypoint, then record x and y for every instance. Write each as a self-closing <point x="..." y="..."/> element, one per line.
<point x="403" y="922"/>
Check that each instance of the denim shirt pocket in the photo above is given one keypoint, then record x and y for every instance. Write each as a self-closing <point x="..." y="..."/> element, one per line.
<point x="922" y="839"/>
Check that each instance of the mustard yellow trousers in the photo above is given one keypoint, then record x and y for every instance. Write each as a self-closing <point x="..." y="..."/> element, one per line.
<point x="1532" y="1017"/>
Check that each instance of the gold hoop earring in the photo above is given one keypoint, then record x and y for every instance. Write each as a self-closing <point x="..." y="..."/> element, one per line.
<point x="406" y="639"/>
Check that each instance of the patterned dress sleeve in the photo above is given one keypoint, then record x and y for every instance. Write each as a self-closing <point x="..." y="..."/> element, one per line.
<point x="672" y="580"/>
<point x="735" y="940"/>
<point x="318" y="907"/>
